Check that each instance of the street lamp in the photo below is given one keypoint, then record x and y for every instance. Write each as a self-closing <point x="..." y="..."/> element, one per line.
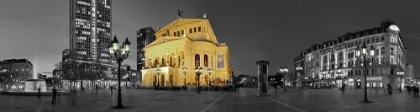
<point x="284" y="71"/>
<point x="185" y="70"/>
<point x="362" y="53"/>
<point x="209" y="70"/>
<point x="401" y="74"/>
<point x="119" y="54"/>
<point x="198" y="71"/>
<point x="299" y="69"/>
<point x="158" y="71"/>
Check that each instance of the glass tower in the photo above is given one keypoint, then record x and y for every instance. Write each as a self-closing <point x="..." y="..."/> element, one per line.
<point x="90" y="30"/>
<point x="145" y="36"/>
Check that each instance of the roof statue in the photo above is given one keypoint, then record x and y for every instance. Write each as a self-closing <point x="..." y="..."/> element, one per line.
<point x="180" y="14"/>
<point x="204" y="16"/>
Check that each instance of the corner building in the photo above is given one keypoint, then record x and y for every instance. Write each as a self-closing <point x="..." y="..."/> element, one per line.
<point x="334" y="62"/>
<point x="187" y="43"/>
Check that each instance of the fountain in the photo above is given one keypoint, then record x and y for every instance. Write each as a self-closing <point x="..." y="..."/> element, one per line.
<point x="35" y="83"/>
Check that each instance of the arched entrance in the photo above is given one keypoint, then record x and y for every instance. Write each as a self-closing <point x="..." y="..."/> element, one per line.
<point x="162" y="80"/>
<point x="207" y="79"/>
<point x="171" y="80"/>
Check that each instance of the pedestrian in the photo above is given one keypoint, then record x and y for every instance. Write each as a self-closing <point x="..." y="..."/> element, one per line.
<point x="343" y="87"/>
<point x="112" y="89"/>
<point x="39" y="93"/>
<point x="389" y="89"/>
<point x="409" y="90"/>
<point x="54" y="97"/>
<point x="275" y="87"/>
<point x="416" y="91"/>
<point x="97" y="89"/>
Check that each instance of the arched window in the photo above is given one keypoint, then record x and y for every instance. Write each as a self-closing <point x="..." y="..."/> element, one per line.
<point x="206" y="61"/>
<point x="377" y="39"/>
<point x="392" y="60"/>
<point x="383" y="50"/>
<point x="392" y="51"/>
<point x="197" y="60"/>
<point x="383" y="39"/>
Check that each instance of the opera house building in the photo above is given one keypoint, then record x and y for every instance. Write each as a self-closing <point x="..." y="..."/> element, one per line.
<point x="181" y="47"/>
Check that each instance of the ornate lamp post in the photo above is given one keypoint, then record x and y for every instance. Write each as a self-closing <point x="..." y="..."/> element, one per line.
<point x="284" y="71"/>
<point x="401" y="74"/>
<point x="299" y="69"/>
<point x="158" y="71"/>
<point x="119" y="54"/>
<point x="210" y="71"/>
<point x="362" y="54"/>
<point x="185" y="70"/>
<point x="198" y="71"/>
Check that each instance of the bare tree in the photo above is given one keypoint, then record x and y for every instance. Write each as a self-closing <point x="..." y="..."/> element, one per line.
<point x="72" y="71"/>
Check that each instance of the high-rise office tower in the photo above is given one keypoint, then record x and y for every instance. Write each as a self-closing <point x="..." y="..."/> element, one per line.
<point x="90" y="30"/>
<point x="145" y="36"/>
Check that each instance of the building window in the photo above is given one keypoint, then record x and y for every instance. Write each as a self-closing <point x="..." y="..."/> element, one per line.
<point x="382" y="50"/>
<point x="195" y="29"/>
<point x="206" y="63"/>
<point x="178" y="33"/>
<point x="383" y="39"/>
<point x="174" y="33"/>
<point x="182" y="32"/>
<point x="392" y="51"/>
<point x="197" y="60"/>
<point x="199" y="29"/>
<point x="190" y="30"/>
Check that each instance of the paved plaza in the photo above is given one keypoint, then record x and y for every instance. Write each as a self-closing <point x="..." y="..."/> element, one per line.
<point x="143" y="100"/>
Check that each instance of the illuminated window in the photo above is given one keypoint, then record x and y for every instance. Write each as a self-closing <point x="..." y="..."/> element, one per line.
<point x="197" y="60"/>
<point x="206" y="64"/>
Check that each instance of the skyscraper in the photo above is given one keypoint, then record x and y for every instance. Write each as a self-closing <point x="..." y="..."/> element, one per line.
<point x="145" y="36"/>
<point x="90" y="30"/>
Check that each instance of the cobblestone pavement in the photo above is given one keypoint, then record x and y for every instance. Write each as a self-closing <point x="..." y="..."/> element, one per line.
<point x="293" y="100"/>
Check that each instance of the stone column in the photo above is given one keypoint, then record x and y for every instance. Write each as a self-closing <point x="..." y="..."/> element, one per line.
<point x="262" y="77"/>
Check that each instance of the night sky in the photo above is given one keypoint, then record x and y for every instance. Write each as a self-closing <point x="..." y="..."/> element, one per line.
<point x="254" y="30"/>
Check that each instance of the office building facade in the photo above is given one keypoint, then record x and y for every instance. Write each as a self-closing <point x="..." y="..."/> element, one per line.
<point x="145" y="36"/>
<point x="90" y="30"/>
<point x="334" y="63"/>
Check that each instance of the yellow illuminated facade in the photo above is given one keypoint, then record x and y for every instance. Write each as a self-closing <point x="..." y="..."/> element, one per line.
<point x="186" y="43"/>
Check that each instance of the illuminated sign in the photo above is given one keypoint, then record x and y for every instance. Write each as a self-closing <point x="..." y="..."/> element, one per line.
<point x="374" y="78"/>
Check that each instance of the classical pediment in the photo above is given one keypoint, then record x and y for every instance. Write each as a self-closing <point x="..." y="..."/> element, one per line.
<point x="164" y="40"/>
